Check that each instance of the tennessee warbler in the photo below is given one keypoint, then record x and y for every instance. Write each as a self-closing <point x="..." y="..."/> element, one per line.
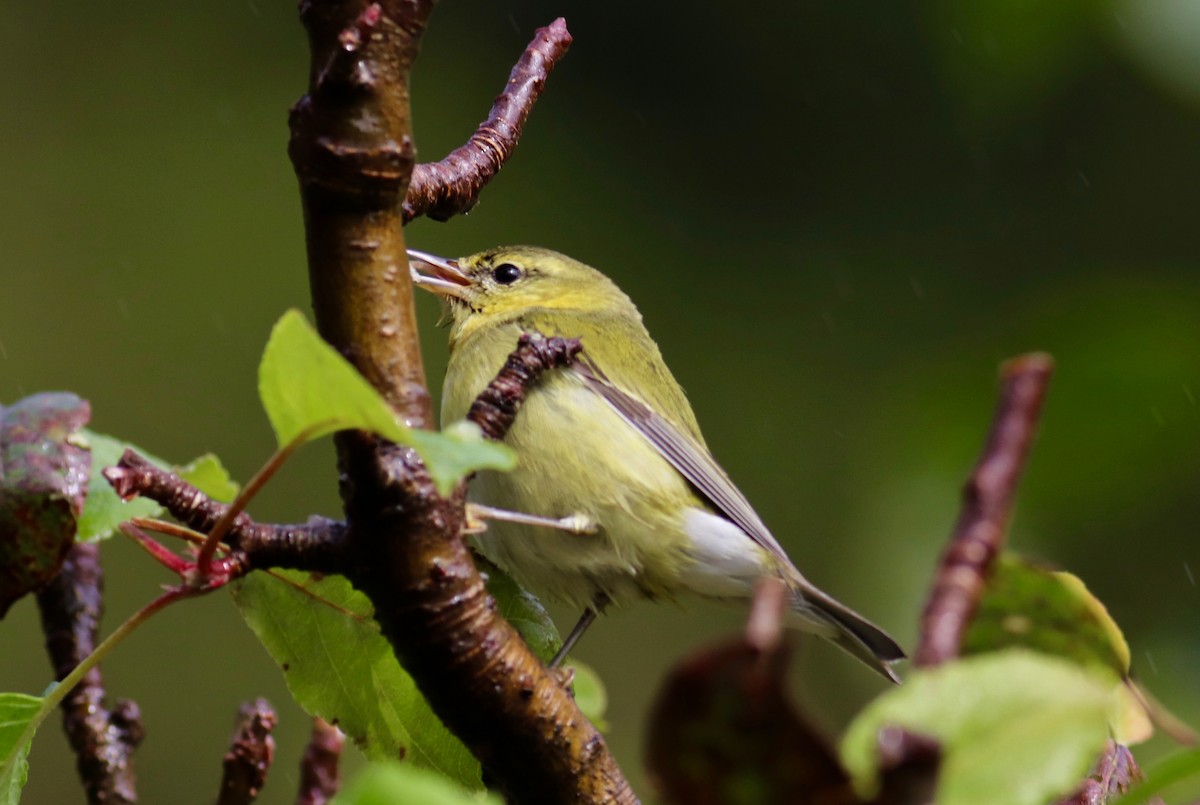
<point x="612" y="443"/>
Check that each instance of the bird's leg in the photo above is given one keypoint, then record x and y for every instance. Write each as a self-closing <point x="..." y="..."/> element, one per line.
<point x="572" y="524"/>
<point x="581" y="626"/>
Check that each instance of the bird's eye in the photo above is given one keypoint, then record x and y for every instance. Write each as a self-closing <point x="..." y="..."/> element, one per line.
<point x="506" y="273"/>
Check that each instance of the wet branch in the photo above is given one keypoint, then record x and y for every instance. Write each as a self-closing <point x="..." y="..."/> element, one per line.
<point x="71" y="606"/>
<point x="987" y="506"/>
<point x="320" y="544"/>
<point x="352" y="150"/>
<point x="440" y="190"/>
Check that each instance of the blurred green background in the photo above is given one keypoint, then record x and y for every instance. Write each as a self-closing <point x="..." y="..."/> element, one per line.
<point x="836" y="217"/>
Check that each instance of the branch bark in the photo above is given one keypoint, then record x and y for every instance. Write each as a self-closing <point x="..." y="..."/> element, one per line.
<point x="352" y="149"/>
<point x="988" y="499"/>
<point x="71" y="606"/>
<point x="320" y="776"/>
<point x="452" y="185"/>
<point x="244" y="770"/>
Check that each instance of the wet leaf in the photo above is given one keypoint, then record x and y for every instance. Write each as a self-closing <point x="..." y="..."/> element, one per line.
<point x="43" y="485"/>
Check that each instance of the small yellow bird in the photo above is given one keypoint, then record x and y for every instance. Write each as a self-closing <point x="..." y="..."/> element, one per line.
<point x="610" y="453"/>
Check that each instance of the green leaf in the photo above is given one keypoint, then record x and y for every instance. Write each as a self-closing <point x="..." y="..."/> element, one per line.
<point x="338" y="666"/>
<point x="17" y="714"/>
<point x="458" y="450"/>
<point x="309" y="390"/>
<point x="386" y="783"/>
<point x="590" y="694"/>
<point x="209" y="475"/>
<point x="1053" y="612"/>
<point x="104" y="511"/>
<point x="525" y="612"/>
<point x="1016" y="727"/>
<point x="522" y="609"/>
<point x="1045" y="610"/>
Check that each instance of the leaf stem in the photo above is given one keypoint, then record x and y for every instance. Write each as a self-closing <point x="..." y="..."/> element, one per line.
<point x="60" y="690"/>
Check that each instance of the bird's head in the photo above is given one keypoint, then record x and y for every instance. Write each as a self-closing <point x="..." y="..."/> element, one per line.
<point x="499" y="285"/>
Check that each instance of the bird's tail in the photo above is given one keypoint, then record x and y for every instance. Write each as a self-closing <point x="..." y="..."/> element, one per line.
<point x="814" y="611"/>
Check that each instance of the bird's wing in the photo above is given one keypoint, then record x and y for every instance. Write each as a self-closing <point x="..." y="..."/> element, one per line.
<point x="690" y="460"/>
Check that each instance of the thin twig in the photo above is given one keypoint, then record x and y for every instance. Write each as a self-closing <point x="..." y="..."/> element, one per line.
<point x="497" y="405"/>
<point x="320" y="544"/>
<point x="452" y="186"/>
<point x="244" y="770"/>
<point x="319" y="772"/>
<point x="71" y="606"/>
<point x="987" y="505"/>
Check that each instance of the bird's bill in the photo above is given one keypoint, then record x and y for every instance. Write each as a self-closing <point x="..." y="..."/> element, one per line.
<point x="437" y="274"/>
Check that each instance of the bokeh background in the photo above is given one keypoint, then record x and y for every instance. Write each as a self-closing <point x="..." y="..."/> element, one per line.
<point x="838" y="218"/>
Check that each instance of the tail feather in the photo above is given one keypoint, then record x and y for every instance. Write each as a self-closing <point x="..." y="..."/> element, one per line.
<point x="847" y="629"/>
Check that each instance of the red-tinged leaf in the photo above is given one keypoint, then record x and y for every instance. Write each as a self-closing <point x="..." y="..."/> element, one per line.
<point x="43" y="485"/>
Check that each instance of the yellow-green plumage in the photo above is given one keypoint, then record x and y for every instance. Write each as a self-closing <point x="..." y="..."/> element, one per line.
<point x="566" y="433"/>
<point x="658" y="535"/>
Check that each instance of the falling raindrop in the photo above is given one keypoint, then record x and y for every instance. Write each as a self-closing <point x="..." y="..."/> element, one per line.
<point x="917" y="289"/>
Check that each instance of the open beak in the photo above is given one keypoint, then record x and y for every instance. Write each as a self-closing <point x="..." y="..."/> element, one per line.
<point x="437" y="274"/>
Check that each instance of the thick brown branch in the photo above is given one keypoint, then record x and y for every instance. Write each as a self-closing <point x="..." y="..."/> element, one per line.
<point x="319" y="768"/>
<point x="477" y="673"/>
<point x="244" y="770"/>
<point x="452" y="186"/>
<point x="71" y="606"/>
<point x="352" y="150"/>
<point x="320" y="544"/>
<point x="351" y="146"/>
<point x="987" y="505"/>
